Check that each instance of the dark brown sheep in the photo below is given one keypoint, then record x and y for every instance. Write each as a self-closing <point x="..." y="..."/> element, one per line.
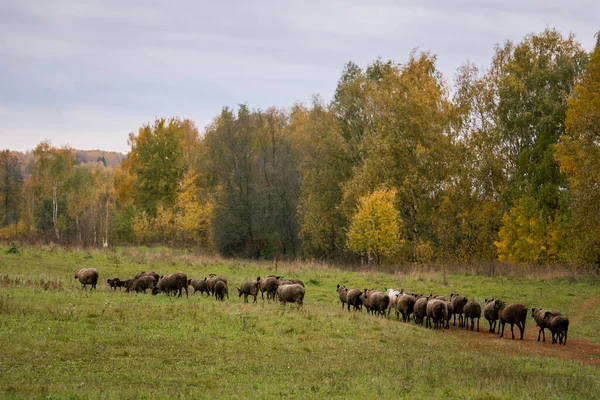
<point x="172" y="283"/>
<point x="114" y="283"/>
<point x="144" y="282"/>
<point x="355" y="298"/>
<point x="199" y="285"/>
<point x="513" y="314"/>
<point x="212" y="280"/>
<point x="376" y="302"/>
<point x="490" y="312"/>
<point x="542" y="318"/>
<point x="87" y="276"/>
<point x="268" y="284"/>
<point x="291" y="294"/>
<point x="472" y="310"/>
<point x="343" y="293"/>
<point x="249" y="288"/>
<point x="221" y="290"/>
<point x="126" y="284"/>
<point x="420" y="310"/>
<point x="436" y="311"/>
<point x="559" y="326"/>
<point x="152" y="274"/>
<point x="405" y="304"/>
<point x="282" y="281"/>
<point x="458" y="303"/>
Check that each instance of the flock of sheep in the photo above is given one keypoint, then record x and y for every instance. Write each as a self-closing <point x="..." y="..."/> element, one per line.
<point x="276" y="287"/>
<point x="433" y="311"/>
<point x="436" y="311"/>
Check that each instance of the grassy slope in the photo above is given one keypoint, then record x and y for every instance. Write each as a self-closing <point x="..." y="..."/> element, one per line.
<point x="58" y="341"/>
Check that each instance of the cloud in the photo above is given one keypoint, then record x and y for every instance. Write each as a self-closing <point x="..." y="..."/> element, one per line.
<point x="102" y="67"/>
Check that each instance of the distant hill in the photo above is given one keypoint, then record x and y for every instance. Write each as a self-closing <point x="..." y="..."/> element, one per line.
<point x="108" y="158"/>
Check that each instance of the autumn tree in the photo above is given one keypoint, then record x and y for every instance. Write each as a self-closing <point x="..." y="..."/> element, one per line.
<point x="375" y="227"/>
<point x="578" y="152"/>
<point x="533" y="91"/>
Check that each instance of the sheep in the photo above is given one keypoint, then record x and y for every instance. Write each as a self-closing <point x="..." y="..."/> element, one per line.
<point x="212" y="280"/>
<point x="249" y="288"/>
<point x="144" y="282"/>
<point x="87" y="276"/>
<point x="458" y="303"/>
<point x="114" y="283"/>
<point x="221" y="290"/>
<point x="514" y="314"/>
<point x="355" y="298"/>
<point x="175" y="282"/>
<point x="490" y="312"/>
<point x="343" y="293"/>
<point x="542" y="318"/>
<point x="199" y="285"/>
<point x="393" y="295"/>
<point x="152" y="274"/>
<point x="450" y="309"/>
<point x="405" y="304"/>
<point x="290" y="294"/>
<point x="269" y="285"/>
<point x="472" y="310"/>
<point x="420" y="310"/>
<point x="376" y="302"/>
<point x="282" y="281"/>
<point x="559" y="326"/>
<point x="437" y="312"/>
<point x="126" y="284"/>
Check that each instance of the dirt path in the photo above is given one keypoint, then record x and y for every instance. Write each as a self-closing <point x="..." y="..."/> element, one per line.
<point x="576" y="349"/>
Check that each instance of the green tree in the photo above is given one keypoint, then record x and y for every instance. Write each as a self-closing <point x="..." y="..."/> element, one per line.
<point x="578" y="152"/>
<point x="375" y="228"/>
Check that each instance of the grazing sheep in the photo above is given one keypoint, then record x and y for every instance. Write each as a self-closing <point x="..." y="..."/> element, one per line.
<point x="420" y="310"/>
<point x="152" y="274"/>
<point x="282" y="281"/>
<point x="175" y="282"/>
<point x="212" y="280"/>
<point x="355" y="298"/>
<point x="269" y="285"/>
<point x="248" y="288"/>
<point x="405" y="304"/>
<point x="114" y="283"/>
<point x="393" y="295"/>
<point x="559" y="326"/>
<point x="376" y="302"/>
<point x="221" y="290"/>
<point x="199" y="285"/>
<point x="126" y="284"/>
<point x="87" y="276"/>
<point x="472" y="310"/>
<point x="343" y="292"/>
<point x="291" y="294"/>
<point x="450" y="309"/>
<point x="514" y="314"/>
<point x="144" y="282"/>
<point x="437" y="312"/>
<point x="490" y="312"/>
<point x="542" y="318"/>
<point x="458" y="303"/>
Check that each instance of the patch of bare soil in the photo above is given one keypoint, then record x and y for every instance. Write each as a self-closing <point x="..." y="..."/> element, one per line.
<point x="576" y="349"/>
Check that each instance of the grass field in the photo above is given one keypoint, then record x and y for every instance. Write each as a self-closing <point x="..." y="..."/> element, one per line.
<point x="58" y="341"/>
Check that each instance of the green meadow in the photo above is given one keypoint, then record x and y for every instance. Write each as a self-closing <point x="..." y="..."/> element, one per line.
<point x="58" y="341"/>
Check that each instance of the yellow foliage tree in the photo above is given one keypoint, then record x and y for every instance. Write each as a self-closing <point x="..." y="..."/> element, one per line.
<point x="142" y="227"/>
<point x="193" y="219"/>
<point x="526" y="235"/>
<point x="375" y="228"/>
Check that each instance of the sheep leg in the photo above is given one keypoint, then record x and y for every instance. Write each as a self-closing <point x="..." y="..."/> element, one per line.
<point x="511" y="330"/>
<point x="565" y="339"/>
<point x="472" y="323"/>
<point x="501" y="326"/>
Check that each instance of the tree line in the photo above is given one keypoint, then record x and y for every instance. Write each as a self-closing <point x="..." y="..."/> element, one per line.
<point x="400" y="166"/>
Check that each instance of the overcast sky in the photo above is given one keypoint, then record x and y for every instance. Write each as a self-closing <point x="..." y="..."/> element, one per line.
<point x="86" y="73"/>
